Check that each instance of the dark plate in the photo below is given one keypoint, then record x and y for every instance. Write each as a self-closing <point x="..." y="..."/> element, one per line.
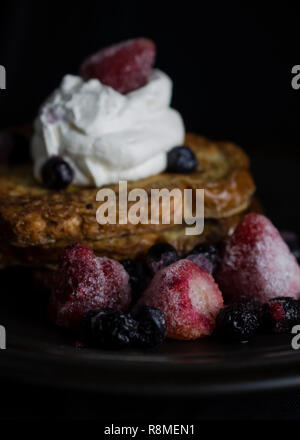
<point x="39" y="353"/>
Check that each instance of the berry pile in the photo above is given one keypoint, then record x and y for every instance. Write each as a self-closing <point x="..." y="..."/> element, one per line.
<point x="145" y="327"/>
<point x="139" y="303"/>
<point x="241" y="320"/>
<point x="281" y="314"/>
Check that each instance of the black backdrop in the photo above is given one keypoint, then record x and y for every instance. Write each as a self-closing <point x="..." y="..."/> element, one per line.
<point x="231" y="64"/>
<point x="231" y="67"/>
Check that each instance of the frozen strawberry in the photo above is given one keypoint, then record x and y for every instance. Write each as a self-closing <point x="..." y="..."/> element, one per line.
<point x="189" y="298"/>
<point x="257" y="262"/>
<point x="84" y="282"/>
<point x="124" y="67"/>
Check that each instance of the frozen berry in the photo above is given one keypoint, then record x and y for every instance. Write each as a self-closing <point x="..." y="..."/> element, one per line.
<point x="181" y="160"/>
<point x="57" y="173"/>
<point x="84" y="282"/>
<point x="160" y="255"/>
<point x="87" y="324"/>
<point x="138" y="274"/>
<point x="124" y="67"/>
<point x="237" y="323"/>
<point x="292" y="240"/>
<point x="151" y="328"/>
<point x="281" y="314"/>
<point x="113" y="329"/>
<point x="247" y="302"/>
<point x="206" y="256"/>
<point x="14" y="148"/>
<point x="189" y="298"/>
<point x="257" y="262"/>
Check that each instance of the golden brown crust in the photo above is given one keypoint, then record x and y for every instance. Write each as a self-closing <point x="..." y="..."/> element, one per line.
<point x="120" y="247"/>
<point x="30" y="215"/>
<point x="127" y="246"/>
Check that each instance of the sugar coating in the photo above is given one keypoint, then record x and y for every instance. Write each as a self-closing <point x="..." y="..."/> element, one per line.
<point x="84" y="282"/>
<point x="125" y="66"/>
<point x="258" y="263"/>
<point x="189" y="298"/>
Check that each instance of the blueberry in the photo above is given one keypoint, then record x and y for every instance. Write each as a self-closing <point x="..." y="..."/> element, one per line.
<point x="57" y="173"/>
<point x="138" y="273"/>
<point x="113" y="330"/>
<point x="181" y="160"/>
<point x="208" y="256"/>
<point x="280" y="314"/>
<point x="87" y="324"/>
<point x="292" y="240"/>
<point x="237" y="323"/>
<point x="151" y="328"/>
<point x="159" y="256"/>
<point x="14" y="148"/>
<point x="247" y="303"/>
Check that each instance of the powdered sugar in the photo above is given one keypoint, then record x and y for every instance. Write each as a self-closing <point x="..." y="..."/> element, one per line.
<point x="258" y="263"/>
<point x="188" y="296"/>
<point x="84" y="282"/>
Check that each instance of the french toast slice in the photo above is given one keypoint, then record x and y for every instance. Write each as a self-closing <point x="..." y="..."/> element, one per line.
<point x="35" y="223"/>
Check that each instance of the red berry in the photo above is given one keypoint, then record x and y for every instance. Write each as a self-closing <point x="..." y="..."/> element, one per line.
<point x="189" y="298"/>
<point x="124" y="67"/>
<point x="258" y="263"/>
<point x="84" y="282"/>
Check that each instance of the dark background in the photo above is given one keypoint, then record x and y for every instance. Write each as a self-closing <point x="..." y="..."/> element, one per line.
<point x="231" y="67"/>
<point x="231" y="64"/>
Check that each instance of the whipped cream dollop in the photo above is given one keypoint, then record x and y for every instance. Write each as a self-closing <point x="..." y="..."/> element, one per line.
<point x="106" y="136"/>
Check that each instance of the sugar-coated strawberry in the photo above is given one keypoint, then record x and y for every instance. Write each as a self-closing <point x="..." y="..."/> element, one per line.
<point x="257" y="262"/>
<point x="84" y="282"/>
<point x="189" y="298"/>
<point x="124" y="67"/>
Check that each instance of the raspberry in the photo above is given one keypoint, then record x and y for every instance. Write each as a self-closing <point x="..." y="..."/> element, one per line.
<point x="124" y="67"/>
<point x="189" y="298"/>
<point x="237" y="322"/>
<point x="159" y="256"/>
<point x="84" y="282"/>
<point x="281" y="314"/>
<point x="257" y="263"/>
<point x="151" y="328"/>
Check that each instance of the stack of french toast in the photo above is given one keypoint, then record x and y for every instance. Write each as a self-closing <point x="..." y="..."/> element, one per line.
<point x="36" y="223"/>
